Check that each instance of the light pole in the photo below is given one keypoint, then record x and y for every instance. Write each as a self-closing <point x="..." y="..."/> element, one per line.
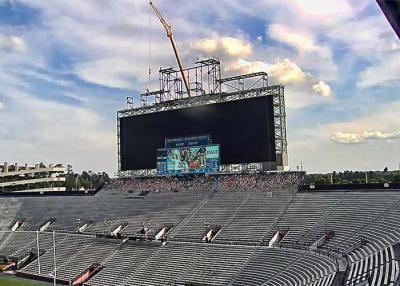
<point x="38" y="249"/>
<point x="55" y="263"/>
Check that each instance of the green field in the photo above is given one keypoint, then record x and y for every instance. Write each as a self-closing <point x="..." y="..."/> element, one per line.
<point x="6" y="280"/>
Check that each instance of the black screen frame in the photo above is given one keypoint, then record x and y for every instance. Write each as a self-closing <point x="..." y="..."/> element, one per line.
<point x="256" y="113"/>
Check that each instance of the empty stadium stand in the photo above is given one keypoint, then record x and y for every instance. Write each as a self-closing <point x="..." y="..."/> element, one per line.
<point x="364" y="249"/>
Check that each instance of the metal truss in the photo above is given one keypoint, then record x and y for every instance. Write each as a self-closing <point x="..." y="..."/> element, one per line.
<point x="207" y="87"/>
<point x="129" y="102"/>
<point x="119" y="145"/>
<point x="244" y="82"/>
<point x="273" y="90"/>
<point x="203" y="78"/>
<point x="280" y="121"/>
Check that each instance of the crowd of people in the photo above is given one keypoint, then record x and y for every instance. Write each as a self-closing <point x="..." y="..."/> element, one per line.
<point x="143" y="184"/>
<point x="261" y="182"/>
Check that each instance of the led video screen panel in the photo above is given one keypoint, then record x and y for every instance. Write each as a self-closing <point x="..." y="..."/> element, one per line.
<point x="189" y="160"/>
<point x="244" y="129"/>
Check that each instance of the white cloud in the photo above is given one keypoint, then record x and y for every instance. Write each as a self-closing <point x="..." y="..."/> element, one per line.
<point x="322" y="88"/>
<point x="30" y="73"/>
<point x="287" y="71"/>
<point x="307" y="48"/>
<point x="230" y="46"/>
<point x="307" y="13"/>
<point x="355" y="138"/>
<point x="284" y="71"/>
<point x="111" y="72"/>
<point x="55" y="132"/>
<point x="383" y="124"/>
<point x="347" y="138"/>
<point x="304" y="42"/>
<point x="381" y="135"/>
<point x="385" y="71"/>
<point x="372" y="39"/>
<point x="369" y="36"/>
<point x="12" y="44"/>
<point x="370" y="139"/>
<point x="111" y="49"/>
<point x="1" y="106"/>
<point x="323" y="8"/>
<point x="298" y="83"/>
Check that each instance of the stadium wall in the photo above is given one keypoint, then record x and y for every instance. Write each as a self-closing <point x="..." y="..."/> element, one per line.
<point x="349" y="187"/>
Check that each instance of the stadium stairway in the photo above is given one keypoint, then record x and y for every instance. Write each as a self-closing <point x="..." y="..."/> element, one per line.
<point x="307" y="232"/>
<point x="124" y="261"/>
<point x="174" y="258"/>
<point x="359" y="212"/>
<point x="379" y="268"/>
<point x="192" y="213"/>
<point x="214" y="211"/>
<point x="94" y="252"/>
<point x="274" y="227"/>
<point x="306" y="214"/>
<point x="16" y="243"/>
<point x="254" y="218"/>
<point x="350" y="215"/>
<point x="217" y="265"/>
<point x="235" y="214"/>
<point x="67" y="248"/>
<point x="130" y="279"/>
<point x="324" y="281"/>
<point x="249" y="258"/>
<point x="275" y="266"/>
<point x="246" y="217"/>
<point x="8" y="210"/>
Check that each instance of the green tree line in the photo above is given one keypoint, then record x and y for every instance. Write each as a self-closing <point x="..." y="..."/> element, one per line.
<point x="354" y="177"/>
<point x="86" y="180"/>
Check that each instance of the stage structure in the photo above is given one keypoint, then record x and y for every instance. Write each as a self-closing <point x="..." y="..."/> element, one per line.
<point x="207" y="88"/>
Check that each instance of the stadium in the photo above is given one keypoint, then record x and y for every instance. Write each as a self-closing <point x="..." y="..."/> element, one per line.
<point x="198" y="203"/>
<point x="204" y="196"/>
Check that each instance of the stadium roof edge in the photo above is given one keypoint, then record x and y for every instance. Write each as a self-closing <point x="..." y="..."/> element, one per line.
<point x="391" y="10"/>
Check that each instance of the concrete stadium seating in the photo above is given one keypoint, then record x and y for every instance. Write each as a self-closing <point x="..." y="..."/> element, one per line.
<point x="272" y="266"/>
<point x="380" y="268"/>
<point x="237" y="255"/>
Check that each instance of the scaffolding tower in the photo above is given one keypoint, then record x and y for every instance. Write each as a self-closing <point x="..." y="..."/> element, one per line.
<point x="207" y="87"/>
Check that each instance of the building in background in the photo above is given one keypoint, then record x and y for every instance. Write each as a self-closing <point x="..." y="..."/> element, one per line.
<point x="38" y="178"/>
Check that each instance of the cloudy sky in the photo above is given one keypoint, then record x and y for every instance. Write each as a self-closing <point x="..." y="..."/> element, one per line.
<point x="67" y="66"/>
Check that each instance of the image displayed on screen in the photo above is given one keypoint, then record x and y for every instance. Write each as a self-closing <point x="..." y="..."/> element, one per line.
<point x="243" y="128"/>
<point x="201" y="159"/>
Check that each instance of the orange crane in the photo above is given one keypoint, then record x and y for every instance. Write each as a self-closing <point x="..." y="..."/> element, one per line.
<point x="168" y="29"/>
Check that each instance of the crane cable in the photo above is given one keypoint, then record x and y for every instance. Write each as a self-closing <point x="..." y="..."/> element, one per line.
<point x="149" y="52"/>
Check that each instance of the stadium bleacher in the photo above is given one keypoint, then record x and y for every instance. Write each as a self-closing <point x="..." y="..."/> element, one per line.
<point x="248" y="217"/>
<point x="379" y="268"/>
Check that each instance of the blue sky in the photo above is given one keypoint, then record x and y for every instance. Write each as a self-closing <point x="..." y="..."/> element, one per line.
<point x="67" y="66"/>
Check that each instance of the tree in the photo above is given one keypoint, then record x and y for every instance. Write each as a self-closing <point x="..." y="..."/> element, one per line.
<point x="86" y="180"/>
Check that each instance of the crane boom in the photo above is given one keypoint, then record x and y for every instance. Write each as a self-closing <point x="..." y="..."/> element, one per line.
<point x="168" y="29"/>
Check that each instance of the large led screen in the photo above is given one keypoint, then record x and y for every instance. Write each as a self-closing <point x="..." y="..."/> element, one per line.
<point x="189" y="160"/>
<point x="244" y="129"/>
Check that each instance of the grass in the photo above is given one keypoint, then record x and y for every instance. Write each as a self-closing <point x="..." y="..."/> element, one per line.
<point x="6" y="280"/>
